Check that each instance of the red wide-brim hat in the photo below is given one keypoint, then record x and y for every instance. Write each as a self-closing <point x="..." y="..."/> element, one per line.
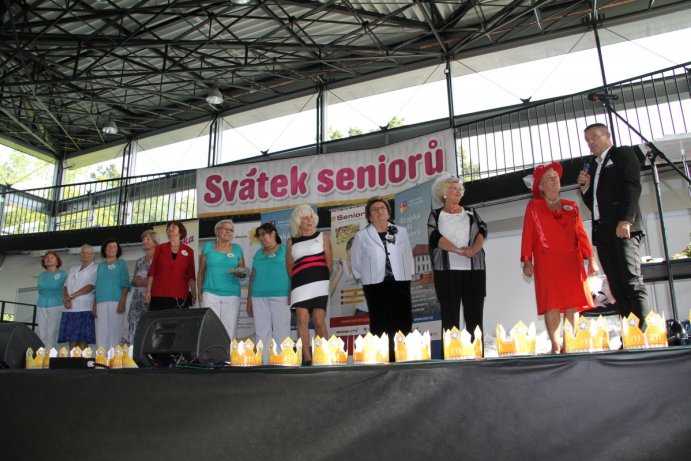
<point x="540" y="171"/>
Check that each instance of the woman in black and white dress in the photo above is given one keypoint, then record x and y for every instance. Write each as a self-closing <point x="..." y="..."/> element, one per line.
<point x="309" y="261"/>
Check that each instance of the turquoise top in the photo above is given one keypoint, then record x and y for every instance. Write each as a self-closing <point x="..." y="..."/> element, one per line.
<point x="270" y="274"/>
<point x="110" y="280"/>
<point x="217" y="280"/>
<point x="50" y="288"/>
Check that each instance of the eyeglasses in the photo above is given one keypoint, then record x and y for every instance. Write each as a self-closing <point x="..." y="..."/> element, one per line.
<point x="229" y="229"/>
<point x="378" y="208"/>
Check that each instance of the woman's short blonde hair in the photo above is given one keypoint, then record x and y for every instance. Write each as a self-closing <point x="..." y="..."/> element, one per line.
<point x="150" y="233"/>
<point x="440" y="187"/>
<point x="296" y="217"/>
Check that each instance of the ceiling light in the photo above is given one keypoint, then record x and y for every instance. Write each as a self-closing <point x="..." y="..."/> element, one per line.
<point x="110" y="127"/>
<point x="214" y="97"/>
<point x="240" y="2"/>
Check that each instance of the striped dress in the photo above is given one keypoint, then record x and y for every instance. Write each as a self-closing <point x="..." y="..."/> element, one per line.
<point x="309" y="280"/>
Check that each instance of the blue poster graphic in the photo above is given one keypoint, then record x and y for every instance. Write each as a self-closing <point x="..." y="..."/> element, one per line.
<point x="412" y="211"/>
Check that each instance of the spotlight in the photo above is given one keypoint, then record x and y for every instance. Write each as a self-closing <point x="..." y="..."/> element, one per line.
<point x="110" y="127"/>
<point x="214" y="97"/>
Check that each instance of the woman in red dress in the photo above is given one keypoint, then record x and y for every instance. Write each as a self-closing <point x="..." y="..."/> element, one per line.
<point x="553" y="248"/>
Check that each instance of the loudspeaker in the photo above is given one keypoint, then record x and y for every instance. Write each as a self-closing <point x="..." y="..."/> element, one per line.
<point x="175" y="337"/>
<point x="15" y="339"/>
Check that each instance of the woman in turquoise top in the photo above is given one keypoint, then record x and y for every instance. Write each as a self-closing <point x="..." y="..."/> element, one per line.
<point x="221" y="266"/>
<point x="269" y="289"/>
<point x="112" y="285"/>
<point x="49" y="304"/>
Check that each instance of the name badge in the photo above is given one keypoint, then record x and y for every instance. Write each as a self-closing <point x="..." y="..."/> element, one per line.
<point x="111" y="266"/>
<point x="568" y="208"/>
<point x="184" y="253"/>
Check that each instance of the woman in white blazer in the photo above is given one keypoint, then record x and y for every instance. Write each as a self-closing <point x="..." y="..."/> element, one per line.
<point x="382" y="259"/>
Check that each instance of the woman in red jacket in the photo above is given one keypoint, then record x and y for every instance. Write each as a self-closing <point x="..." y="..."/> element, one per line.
<point x="553" y="249"/>
<point x="172" y="276"/>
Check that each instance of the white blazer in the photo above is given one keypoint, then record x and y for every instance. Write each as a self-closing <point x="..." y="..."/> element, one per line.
<point x="368" y="258"/>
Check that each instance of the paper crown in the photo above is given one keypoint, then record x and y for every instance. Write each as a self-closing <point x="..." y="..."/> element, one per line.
<point x="121" y="357"/>
<point x="521" y="340"/>
<point x="101" y="357"/>
<point x="244" y="354"/>
<point x="40" y="360"/>
<point x="655" y="332"/>
<point x="331" y="352"/>
<point x="412" y="347"/>
<point x="371" y="349"/>
<point x="458" y="345"/>
<point x="290" y="355"/>
<point x="589" y="335"/>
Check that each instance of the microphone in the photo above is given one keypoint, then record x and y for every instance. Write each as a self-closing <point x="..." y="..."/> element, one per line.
<point x="604" y="97"/>
<point x="586" y="168"/>
<point x="586" y="165"/>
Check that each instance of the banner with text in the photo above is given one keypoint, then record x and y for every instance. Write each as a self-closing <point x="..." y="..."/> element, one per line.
<point x="328" y="179"/>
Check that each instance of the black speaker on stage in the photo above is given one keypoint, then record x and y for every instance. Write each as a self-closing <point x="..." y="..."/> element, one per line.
<point x="15" y="339"/>
<point x="176" y="337"/>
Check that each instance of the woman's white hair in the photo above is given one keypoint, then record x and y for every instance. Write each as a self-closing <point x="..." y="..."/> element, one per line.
<point x="296" y="217"/>
<point x="441" y="185"/>
<point x="222" y="222"/>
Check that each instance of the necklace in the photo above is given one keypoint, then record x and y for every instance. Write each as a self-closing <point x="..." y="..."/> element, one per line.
<point x="552" y="202"/>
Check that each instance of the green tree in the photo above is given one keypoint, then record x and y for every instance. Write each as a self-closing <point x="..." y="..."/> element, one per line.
<point x="334" y="133"/>
<point x="23" y="214"/>
<point x="467" y="169"/>
<point x="17" y="167"/>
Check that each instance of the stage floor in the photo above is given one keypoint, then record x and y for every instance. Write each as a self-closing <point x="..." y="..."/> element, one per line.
<point x="620" y="405"/>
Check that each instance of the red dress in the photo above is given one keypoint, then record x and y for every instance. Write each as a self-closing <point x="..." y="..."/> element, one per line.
<point x="556" y="242"/>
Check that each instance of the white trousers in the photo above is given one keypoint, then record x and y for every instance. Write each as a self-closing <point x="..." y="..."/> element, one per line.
<point x="227" y="308"/>
<point x="271" y="320"/>
<point x="108" y="324"/>
<point x="48" y="319"/>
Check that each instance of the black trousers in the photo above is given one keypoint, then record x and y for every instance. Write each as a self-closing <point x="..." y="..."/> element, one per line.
<point x="455" y="287"/>
<point x="621" y="262"/>
<point x="390" y="309"/>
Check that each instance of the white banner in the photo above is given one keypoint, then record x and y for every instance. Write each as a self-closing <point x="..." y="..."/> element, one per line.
<point x="324" y="180"/>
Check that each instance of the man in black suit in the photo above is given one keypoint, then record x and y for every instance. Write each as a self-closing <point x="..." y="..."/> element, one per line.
<point x="611" y="189"/>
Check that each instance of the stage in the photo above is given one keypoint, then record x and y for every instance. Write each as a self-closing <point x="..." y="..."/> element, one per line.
<point x="610" y="406"/>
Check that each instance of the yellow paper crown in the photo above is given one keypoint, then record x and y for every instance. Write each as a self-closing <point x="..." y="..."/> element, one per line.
<point x="371" y="349"/>
<point x="631" y="335"/>
<point x="244" y="354"/>
<point x="127" y="357"/>
<point x="457" y="344"/>
<point x="115" y="357"/>
<point x="290" y="355"/>
<point x="589" y="336"/>
<point x="331" y="352"/>
<point x="412" y="347"/>
<point x="101" y="358"/>
<point x="76" y="351"/>
<point x="50" y="354"/>
<point x="35" y="362"/>
<point x="655" y="330"/>
<point x="521" y="340"/>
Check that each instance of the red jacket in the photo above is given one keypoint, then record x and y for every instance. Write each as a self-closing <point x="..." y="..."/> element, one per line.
<point x="172" y="276"/>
